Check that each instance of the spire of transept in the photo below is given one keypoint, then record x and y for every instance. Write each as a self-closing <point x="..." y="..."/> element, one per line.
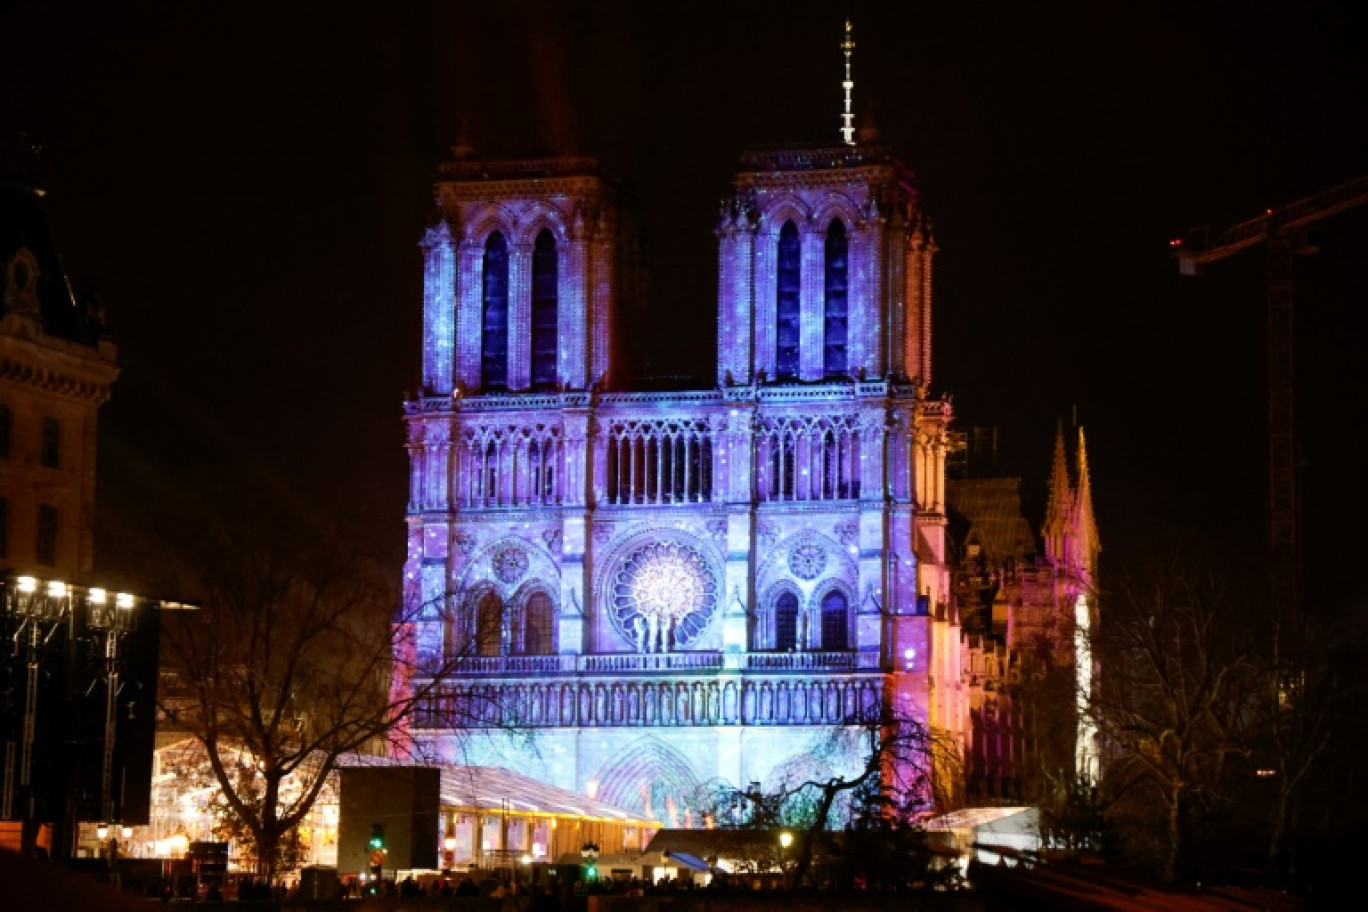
<point x="1085" y="524"/>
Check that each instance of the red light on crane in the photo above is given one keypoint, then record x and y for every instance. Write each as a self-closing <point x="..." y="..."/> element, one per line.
<point x="1176" y="242"/>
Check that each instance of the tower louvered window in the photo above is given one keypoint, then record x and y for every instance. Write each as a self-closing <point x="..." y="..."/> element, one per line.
<point x="544" y="311"/>
<point x="788" y="314"/>
<point x="836" y="307"/>
<point x="494" y="323"/>
<point x="834" y="622"/>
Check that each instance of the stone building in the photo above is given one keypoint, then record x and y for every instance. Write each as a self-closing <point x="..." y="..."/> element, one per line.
<point x="677" y="589"/>
<point x="56" y="370"/>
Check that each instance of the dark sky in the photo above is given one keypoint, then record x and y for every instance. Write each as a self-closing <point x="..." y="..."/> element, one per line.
<point x="246" y="184"/>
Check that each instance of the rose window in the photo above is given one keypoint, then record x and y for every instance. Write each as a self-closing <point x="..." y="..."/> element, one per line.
<point x="663" y="596"/>
<point x="807" y="561"/>
<point x="510" y="564"/>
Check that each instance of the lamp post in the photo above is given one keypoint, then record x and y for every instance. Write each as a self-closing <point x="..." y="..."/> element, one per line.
<point x="785" y="840"/>
<point x="52" y="619"/>
<point x="589" y="852"/>
<point x="448" y="853"/>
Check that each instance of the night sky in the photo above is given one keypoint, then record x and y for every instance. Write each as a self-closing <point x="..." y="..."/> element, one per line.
<point x="246" y="184"/>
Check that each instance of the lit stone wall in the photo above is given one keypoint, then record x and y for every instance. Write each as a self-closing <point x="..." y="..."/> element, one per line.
<point x="733" y="575"/>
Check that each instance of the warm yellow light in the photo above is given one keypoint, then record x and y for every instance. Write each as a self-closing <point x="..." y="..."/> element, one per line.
<point x="179" y="844"/>
<point x="449" y="843"/>
<point x="102" y="832"/>
<point x="124" y="600"/>
<point x="27" y="584"/>
<point x="96" y="597"/>
<point x="786" y="839"/>
<point x="56" y="589"/>
<point x="526" y="859"/>
<point x="127" y="832"/>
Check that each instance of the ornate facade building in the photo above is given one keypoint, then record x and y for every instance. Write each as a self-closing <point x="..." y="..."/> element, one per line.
<point x="678" y="589"/>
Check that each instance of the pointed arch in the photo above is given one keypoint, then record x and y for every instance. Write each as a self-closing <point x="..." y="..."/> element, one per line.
<point x="538" y="634"/>
<point x="786" y="621"/>
<point x="835" y="621"/>
<point x="545" y="307"/>
<point x="494" y="314"/>
<point x="542" y="217"/>
<point x="835" y="305"/>
<point x="788" y="302"/>
<point x="489" y="621"/>
<point x="649" y="777"/>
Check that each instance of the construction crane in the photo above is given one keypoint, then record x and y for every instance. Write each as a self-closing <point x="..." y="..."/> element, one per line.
<point x="1284" y="232"/>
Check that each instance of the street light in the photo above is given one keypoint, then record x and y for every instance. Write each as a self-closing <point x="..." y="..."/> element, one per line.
<point x="448" y="852"/>
<point x="589" y="852"/>
<point x="785" y="840"/>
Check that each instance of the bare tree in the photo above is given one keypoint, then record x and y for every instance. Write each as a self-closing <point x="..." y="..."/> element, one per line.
<point x="1301" y="703"/>
<point x="895" y="780"/>
<point x="1175" y="701"/>
<point x="286" y="667"/>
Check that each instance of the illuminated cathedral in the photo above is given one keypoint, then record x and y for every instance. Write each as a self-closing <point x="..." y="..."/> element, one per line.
<point x="674" y="590"/>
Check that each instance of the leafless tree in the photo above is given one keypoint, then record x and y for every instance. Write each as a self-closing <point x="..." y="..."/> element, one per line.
<point x="285" y="667"/>
<point x="1175" y="701"/>
<point x="901" y="764"/>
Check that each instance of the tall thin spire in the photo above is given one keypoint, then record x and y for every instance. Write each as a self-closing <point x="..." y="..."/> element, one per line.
<point x="848" y="117"/>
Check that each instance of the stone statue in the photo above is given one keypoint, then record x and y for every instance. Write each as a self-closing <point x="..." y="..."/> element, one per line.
<point x="639" y="626"/>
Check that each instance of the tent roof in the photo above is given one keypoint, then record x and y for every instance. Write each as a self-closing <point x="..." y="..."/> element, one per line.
<point x="492" y="788"/>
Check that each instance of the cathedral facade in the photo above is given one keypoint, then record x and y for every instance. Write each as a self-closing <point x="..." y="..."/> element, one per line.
<point x="676" y="590"/>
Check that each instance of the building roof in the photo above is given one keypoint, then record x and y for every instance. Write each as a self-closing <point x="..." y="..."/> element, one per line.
<point x="25" y="233"/>
<point x="712" y="843"/>
<point x="992" y="509"/>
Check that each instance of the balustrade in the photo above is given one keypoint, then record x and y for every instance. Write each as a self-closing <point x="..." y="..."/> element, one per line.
<point x="658" y="461"/>
<point x="509" y="465"/>
<point x="808" y="458"/>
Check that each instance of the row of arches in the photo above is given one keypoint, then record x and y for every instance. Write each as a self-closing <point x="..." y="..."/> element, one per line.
<point x="835" y="301"/>
<point x="787" y="627"/>
<point x="495" y="312"/>
<point x="489" y="626"/>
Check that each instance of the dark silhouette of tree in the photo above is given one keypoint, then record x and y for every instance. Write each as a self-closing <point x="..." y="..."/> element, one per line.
<point x="285" y="667"/>
<point x="877" y="800"/>
<point x="1174" y="707"/>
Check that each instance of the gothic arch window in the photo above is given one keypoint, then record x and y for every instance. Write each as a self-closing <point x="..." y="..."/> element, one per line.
<point x="544" y="308"/>
<point x="536" y="632"/>
<point x="835" y="622"/>
<point x="836" y="308"/>
<point x="494" y="319"/>
<point x="489" y="626"/>
<point x="788" y="307"/>
<point x="786" y="622"/>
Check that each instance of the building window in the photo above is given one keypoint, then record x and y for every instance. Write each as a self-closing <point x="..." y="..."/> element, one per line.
<point x="537" y="625"/>
<point x="4" y="527"/>
<point x="835" y="331"/>
<point x="786" y="622"/>
<point x="6" y="430"/>
<point x="51" y="454"/>
<point x="46" y="544"/>
<point x="788" y="315"/>
<point x="834" y="622"/>
<point x="489" y="626"/>
<point x="494" y="323"/>
<point x="544" y="311"/>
